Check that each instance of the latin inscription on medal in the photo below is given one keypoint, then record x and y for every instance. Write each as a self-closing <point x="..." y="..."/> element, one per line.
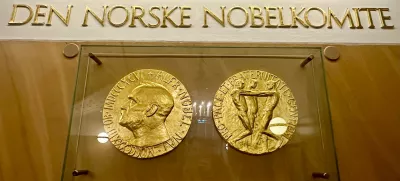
<point x="255" y="112"/>
<point x="147" y="113"/>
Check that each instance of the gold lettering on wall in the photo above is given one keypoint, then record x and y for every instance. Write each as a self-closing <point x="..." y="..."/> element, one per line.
<point x="306" y="17"/>
<point x="166" y="17"/>
<point x="256" y="15"/>
<point x="370" y="21"/>
<point x="221" y="20"/>
<point x="347" y="15"/>
<point x="55" y="11"/>
<point x="281" y="23"/>
<point x="245" y="13"/>
<point x="14" y="14"/>
<point x="269" y="16"/>
<point x="358" y="20"/>
<point x="184" y="16"/>
<point x="139" y="17"/>
<point x="296" y="18"/>
<point x="161" y="16"/>
<point x="384" y="18"/>
<point x="109" y="15"/>
<point x="100" y="20"/>
<point x="39" y="14"/>
<point x="155" y="17"/>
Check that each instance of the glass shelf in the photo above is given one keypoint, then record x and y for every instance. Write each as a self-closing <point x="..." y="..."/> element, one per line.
<point x="203" y="154"/>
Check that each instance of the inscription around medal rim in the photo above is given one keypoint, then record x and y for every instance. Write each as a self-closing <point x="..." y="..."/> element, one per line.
<point x="143" y="125"/>
<point x="244" y="108"/>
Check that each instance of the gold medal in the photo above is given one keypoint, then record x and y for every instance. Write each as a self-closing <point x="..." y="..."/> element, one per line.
<point x="147" y="113"/>
<point x="255" y="112"/>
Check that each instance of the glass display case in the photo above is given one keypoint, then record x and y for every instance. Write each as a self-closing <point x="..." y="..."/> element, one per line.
<point x="203" y="153"/>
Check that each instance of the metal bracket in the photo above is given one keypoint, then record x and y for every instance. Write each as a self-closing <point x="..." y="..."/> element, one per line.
<point x="331" y="53"/>
<point x="97" y="60"/>
<point x="71" y="50"/>
<point x="320" y="175"/>
<point x="79" y="172"/>
<point x="306" y="61"/>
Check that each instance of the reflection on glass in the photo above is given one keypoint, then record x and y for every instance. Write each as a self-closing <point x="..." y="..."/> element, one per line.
<point x="305" y="127"/>
<point x="201" y="106"/>
<point x="102" y="137"/>
<point x="194" y="108"/>
<point x="208" y="108"/>
<point x="203" y="109"/>
<point x="201" y="154"/>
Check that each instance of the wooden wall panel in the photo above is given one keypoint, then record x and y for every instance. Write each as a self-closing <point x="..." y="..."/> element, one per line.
<point x="364" y="94"/>
<point x="37" y="83"/>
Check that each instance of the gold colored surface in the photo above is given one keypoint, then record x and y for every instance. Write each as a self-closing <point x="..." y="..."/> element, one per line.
<point x="281" y="23"/>
<point x="340" y="23"/>
<point x="109" y="15"/>
<point x="383" y="18"/>
<point x="100" y="20"/>
<point x="152" y="14"/>
<point x="14" y="14"/>
<point x="270" y="16"/>
<point x="370" y="20"/>
<point x="256" y="14"/>
<point x="324" y="18"/>
<point x="140" y="16"/>
<point x="184" y="16"/>
<point x="166" y="17"/>
<point x="296" y="17"/>
<point x="58" y="14"/>
<point x="39" y="14"/>
<point x="220" y="21"/>
<point x="147" y="113"/>
<point x="357" y="18"/>
<point x="246" y="14"/>
<point x="246" y="104"/>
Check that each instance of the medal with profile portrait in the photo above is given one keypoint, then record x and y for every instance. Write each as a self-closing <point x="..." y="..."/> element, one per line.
<point x="147" y="113"/>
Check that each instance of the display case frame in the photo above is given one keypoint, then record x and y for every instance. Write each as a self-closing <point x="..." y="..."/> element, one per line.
<point x="301" y="67"/>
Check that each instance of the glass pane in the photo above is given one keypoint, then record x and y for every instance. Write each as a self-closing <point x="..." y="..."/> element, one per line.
<point x="203" y="154"/>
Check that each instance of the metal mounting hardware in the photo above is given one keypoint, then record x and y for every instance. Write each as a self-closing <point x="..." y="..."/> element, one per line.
<point x="331" y="53"/>
<point x="320" y="175"/>
<point x="79" y="172"/>
<point x="306" y="61"/>
<point x="97" y="60"/>
<point x="71" y="50"/>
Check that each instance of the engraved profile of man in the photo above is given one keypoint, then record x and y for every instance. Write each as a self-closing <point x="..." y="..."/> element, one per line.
<point x="145" y="112"/>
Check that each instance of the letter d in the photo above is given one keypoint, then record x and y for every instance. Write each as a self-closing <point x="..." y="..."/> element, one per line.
<point x="14" y="14"/>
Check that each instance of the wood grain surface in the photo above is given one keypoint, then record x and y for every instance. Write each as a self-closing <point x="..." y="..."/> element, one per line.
<point x="364" y="87"/>
<point x="37" y="84"/>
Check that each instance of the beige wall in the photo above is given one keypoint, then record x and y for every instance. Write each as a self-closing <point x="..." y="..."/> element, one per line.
<point x="37" y="85"/>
